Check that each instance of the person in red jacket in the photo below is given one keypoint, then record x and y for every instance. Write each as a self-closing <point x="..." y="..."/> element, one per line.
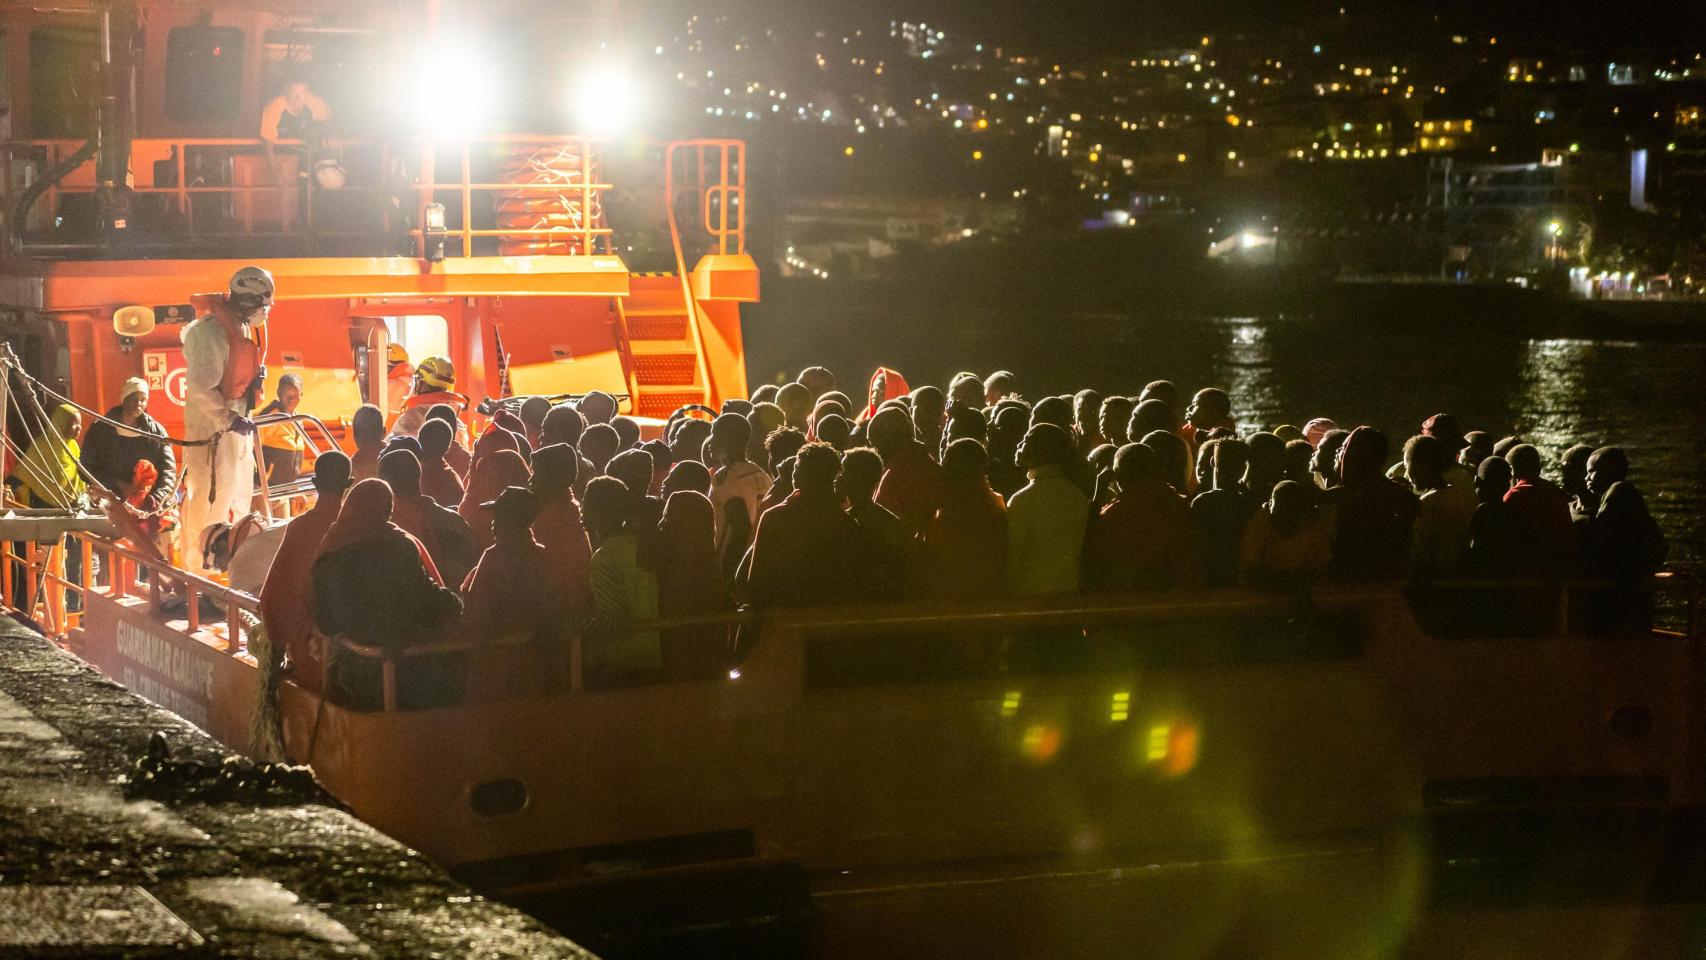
<point x="1539" y="513"/>
<point x="911" y="484"/>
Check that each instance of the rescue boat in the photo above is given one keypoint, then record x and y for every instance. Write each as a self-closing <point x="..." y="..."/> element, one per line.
<point x="1235" y="772"/>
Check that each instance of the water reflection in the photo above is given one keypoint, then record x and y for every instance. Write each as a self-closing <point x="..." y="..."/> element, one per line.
<point x="1387" y="372"/>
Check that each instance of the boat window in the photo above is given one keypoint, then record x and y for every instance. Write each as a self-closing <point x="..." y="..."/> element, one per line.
<point x="204" y="73"/>
<point x="64" y="82"/>
<point x="422" y="335"/>
<point x="836" y="659"/>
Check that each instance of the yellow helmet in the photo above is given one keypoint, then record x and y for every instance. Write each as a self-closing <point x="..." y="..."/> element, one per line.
<point x="396" y="354"/>
<point x="437" y="372"/>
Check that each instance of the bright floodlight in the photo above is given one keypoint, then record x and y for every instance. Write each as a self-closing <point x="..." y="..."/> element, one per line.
<point x="1555" y="227"/>
<point x="603" y="100"/>
<point x="452" y="91"/>
<point x="1249" y="240"/>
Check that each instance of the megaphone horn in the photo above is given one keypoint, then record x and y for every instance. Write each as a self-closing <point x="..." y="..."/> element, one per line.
<point x="133" y="321"/>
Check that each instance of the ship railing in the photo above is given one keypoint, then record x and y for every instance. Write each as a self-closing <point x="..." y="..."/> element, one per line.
<point x="120" y="567"/>
<point x="732" y="634"/>
<point x="233" y="172"/>
<point x="511" y="194"/>
<point x="306" y="426"/>
<point x="719" y="199"/>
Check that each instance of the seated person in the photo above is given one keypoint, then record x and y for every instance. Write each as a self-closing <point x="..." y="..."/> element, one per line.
<point x="373" y="584"/>
<point x="623" y="592"/>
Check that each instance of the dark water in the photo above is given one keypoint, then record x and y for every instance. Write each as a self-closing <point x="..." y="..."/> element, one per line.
<point x="1385" y="357"/>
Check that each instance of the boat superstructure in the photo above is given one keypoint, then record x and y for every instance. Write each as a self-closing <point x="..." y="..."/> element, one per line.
<point x="538" y="263"/>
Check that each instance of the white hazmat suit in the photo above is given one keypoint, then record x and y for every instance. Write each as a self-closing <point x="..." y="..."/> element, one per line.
<point x="227" y="470"/>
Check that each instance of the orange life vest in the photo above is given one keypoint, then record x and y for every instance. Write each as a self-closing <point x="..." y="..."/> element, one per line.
<point x="243" y="360"/>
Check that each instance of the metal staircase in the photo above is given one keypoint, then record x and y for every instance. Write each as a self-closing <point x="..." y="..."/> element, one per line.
<point x="665" y="354"/>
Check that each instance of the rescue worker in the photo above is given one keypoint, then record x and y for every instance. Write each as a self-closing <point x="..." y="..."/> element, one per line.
<point x="435" y="382"/>
<point x="399" y="374"/>
<point x="295" y="114"/>
<point x="223" y="378"/>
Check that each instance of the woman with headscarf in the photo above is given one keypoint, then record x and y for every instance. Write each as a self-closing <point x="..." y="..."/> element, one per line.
<point x="886" y="385"/>
<point x="374" y="584"/>
<point x="488" y="477"/>
<point x="690" y="584"/>
<point x="964" y="556"/>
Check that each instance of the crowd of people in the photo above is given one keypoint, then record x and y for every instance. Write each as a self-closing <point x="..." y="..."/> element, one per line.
<point x="561" y="518"/>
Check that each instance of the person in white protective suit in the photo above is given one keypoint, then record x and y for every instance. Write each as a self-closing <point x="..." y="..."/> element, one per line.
<point x="223" y="378"/>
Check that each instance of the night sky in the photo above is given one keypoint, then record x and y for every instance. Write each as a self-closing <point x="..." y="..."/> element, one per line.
<point x="1089" y="28"/>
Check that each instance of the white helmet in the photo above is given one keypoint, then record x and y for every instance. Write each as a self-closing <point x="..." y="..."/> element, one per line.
<point x="252" y="284"/>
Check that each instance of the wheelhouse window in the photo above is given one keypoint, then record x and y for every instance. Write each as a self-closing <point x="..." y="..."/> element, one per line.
<point x="64" y="82"/>
<point x="204" y="73"/>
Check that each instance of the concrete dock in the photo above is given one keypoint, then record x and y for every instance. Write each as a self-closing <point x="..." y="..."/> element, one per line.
<point x="197" y="872"/>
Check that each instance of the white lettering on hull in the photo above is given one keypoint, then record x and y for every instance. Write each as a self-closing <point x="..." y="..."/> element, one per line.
<point x="181" y="681"/>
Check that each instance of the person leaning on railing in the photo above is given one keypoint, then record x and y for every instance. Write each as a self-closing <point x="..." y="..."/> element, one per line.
<point x="281" y="443"/>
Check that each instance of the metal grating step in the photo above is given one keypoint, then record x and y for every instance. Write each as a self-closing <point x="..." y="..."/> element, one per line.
<point x="665" y="369"/>
<point x="661" y="405"/>
<point x="660" y="327"/>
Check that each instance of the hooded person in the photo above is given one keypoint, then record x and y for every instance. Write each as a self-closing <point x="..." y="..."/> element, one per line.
<point x="443" y="531"/>
<point x="438" y="480"/>
<point x="886" y="385"/>
<point x="48" y="475"/>
<point x="559" y="527"/>
<point x="501" y="601"/>
<point x="224" y="368"/>
<point x="491" y="474"/>
<point x="690" y="584"/>
<point x="287" y="592"/>
<point x="964" y="556"/>
<point x="112" y="453"/>
<point x="373" y="584"/>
